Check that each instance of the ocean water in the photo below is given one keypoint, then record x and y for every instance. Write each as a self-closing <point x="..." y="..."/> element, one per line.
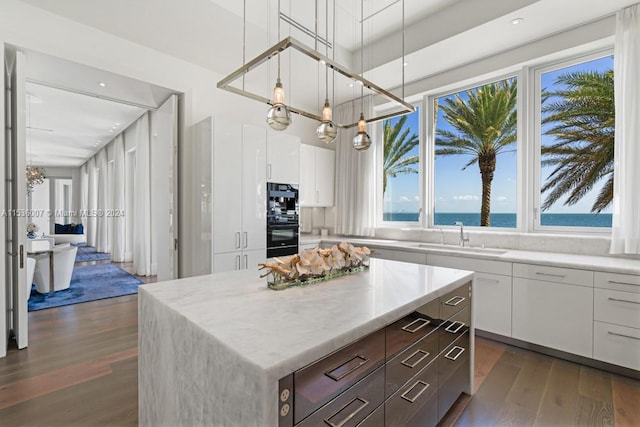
<point x="508" y="220"/>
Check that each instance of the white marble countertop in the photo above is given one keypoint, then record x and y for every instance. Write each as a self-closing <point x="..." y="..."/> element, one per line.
<point x="587" y="262"/>
<point x="282" y="331"/>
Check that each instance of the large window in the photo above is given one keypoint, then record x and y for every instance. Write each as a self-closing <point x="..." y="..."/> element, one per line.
<point x="576" y="144"/>
<point x="401" y="168"/>
<point x="494" y="155"/>
<point x="475" y="136"/>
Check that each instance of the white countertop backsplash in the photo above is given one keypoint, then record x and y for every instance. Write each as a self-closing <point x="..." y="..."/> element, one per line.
<point x="530" y="252"/>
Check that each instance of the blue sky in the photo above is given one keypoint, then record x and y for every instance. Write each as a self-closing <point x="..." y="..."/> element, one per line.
<point x="458" y="190"/>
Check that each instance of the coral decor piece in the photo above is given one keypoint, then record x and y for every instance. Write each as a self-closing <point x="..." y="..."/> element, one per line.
<point x="315" y="265"/>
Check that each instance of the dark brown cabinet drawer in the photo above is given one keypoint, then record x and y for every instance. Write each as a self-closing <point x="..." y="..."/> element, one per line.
<point x="453" y="373"/>
<point x="352" y="406"/>
<point x="408" y="363"/>
<point x="412" y="328"/>
<point x="320" y="382"/>
<point x="415" y="404"/>
<point x="376" y="419"/>
<point x="453" y="328"/>
<point x="454" y="301"/>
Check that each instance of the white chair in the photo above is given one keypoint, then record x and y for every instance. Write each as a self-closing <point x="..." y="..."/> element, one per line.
<point x="63" y="260"/>
<point x="31" y="268"/>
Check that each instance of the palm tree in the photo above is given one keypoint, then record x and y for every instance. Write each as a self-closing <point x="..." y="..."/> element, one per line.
<point x="581" y="116"/>
<point x="397" y="143"/>
<point x="485" y="125"/>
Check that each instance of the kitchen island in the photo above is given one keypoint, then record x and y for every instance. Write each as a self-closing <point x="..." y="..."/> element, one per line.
<point x="214" y="349"/>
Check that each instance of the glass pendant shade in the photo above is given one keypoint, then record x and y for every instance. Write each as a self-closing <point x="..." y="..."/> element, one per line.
<point x="327" y="130"/>
<point x="278" y="116"/>
<point x="361" y="141"/>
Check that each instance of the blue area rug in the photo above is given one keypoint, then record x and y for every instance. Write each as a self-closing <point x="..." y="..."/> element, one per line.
<point x="89" y="253"/>
<point x="88" y="283"/>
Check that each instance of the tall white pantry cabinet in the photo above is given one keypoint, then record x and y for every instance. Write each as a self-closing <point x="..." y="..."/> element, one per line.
<point x="239" y="195"/>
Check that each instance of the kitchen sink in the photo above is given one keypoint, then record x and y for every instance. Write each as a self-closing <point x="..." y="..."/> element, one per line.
<point x="457" y="248"/>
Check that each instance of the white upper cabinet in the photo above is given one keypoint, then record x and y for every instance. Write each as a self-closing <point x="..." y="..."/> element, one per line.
<point x="325" y="176"/>
<point x="317" y="176"/>
<point x="282" y="157"/>
<point x="307" y="191"/>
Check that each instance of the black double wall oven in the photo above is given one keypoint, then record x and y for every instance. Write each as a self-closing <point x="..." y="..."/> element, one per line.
<point x="282" y="219"/>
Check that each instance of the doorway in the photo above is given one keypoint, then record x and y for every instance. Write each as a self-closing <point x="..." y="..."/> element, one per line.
<point x="70" y="201"/>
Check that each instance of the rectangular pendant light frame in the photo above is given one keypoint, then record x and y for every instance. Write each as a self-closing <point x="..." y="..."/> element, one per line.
<point x="290" y="42"/>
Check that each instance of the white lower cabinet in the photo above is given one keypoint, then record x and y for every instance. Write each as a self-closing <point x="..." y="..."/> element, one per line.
<point x="616" y="326"/>
<point x="554" y="315"/>
<point x="619" y="345"/>
<point x="491" y="290"/>
<point x="241" y="260"/>
<point x="492" y="299"/>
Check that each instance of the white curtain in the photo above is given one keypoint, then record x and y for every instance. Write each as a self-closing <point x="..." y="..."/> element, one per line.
<point x="92" y="201"/>
<point x="625" y="236"/>
<point x="101" y="243"/>
<point x="142" y="200"/>
<point x="355" y="174"/>
<point x="84" y="190"/>
<point x="118" y="236"/>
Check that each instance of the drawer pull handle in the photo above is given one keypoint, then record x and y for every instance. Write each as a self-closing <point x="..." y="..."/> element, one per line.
<point x="623" y="335"/>
<point x="456" y="330"/>
<point x="454" y="348"/>
<point x="484" y="279"/>
<point x="424" y="322"/>
<point x="337" y="376"/>
<point x="624" y="300"/>
<point x="615" y="282"/>
<point x="406" y="363"/>
<point x="458" y="300"/>
<point x="363" y="404"/>
<point x="560" y="276"/>
<point x="424" y="385"/>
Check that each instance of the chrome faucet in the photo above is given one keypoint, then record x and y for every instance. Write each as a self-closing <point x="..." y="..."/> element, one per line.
<point x="463" y="238"/>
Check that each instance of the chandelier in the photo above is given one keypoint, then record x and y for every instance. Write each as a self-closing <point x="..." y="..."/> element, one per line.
<point x="35" y="176"/>
<point x="279" y="113"/>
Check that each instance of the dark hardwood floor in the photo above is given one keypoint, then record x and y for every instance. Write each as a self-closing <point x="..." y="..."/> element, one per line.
<point x="80" y="369"/>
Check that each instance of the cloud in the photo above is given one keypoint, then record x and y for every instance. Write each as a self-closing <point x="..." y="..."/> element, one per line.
<point x="404" y="199"/>
<point x="502" y="199"/>
<point x="466" y="197"/>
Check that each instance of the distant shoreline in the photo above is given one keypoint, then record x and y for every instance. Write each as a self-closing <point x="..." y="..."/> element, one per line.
<point x="508" y="220"/>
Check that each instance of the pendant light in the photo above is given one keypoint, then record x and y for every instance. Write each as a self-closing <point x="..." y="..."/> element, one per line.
<point x="327" y="130"/>
<point x="361" y="141"/>
<point x="278" y="116"/>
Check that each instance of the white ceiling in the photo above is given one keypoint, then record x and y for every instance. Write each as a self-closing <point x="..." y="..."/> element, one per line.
<point x="440" y="35"/>
<point x="66" y="128"/>
<point x="73" y="115"/>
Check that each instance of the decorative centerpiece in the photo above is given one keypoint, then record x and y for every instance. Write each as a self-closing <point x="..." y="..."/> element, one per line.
<point x="315" y="265"/>
<point x="31" y="230"/>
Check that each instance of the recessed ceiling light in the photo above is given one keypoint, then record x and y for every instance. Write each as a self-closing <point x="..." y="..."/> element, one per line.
<point x="117" y="124"/>
<point x="404" y="64"/>
<point x="102" y="84"/>
<point x="350" y="84"/>
<point x="99" y="141"/>
<point x="517" y="21"/>
<point x="110" y="130"/>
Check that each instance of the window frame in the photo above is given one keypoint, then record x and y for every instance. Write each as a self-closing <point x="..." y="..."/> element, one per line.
<point x="535" y="117"/>
<point x="429" y="100"/>
<point x="380" y="222"/>
<point x="528" y="173"/>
